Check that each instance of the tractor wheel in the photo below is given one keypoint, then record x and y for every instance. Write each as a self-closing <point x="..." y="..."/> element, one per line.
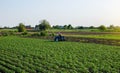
<point x="56" y="39"/>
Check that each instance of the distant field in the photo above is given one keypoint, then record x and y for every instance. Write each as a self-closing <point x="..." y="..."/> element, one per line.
<point x="35" y="55"/>
<point x="80" y="30"/>
<point x="77" y="34"/>
<point x="88" y="33"/>
<point x="8" y="30"/>
<point x="73" y="30"/>
<point x="107" y="36"/>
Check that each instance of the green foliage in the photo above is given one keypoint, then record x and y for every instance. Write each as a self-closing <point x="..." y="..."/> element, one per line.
<point x="116" y="29"/>
<point x="7" y="33"/>
<point x="24" y="33"/>
<point x="69" y="26"/>
<point x="43" y="33"/>
<point x="44" y="25"/>
<point x="57" y="27"/>
<point x="35" y="34"/>
<point x="65" y="26"/>
<point x="79" y="27"/>
<point x="21" y="28"/>
<point x="98" y="36"/>
<point x="111" y="26"/>
<point x="52" y="34"/>
<point x="25" y="55"/>
<point x="91" y="27"/>
<point x="102" y="28"/>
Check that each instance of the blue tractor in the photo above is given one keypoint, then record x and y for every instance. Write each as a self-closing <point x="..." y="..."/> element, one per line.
<point x="59" y="38"/>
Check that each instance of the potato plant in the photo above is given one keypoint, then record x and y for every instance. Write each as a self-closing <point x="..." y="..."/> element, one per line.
<point x="25" y="55"/>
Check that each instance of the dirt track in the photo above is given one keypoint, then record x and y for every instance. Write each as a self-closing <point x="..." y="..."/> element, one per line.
<point x="93" y="40"/>
<point x="86" y="40"/>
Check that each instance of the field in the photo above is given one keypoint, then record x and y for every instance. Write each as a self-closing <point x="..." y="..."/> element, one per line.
<point x="8" y="30"/>
<point x="88" y="36"/>
<point x="87" y="33"/>
<point x="25" y="55"/>
<point x="114" y="36"/>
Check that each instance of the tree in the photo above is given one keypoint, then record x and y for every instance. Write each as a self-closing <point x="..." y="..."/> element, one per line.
<point x="44" y="25"/>
<point x="102" y="28"/>
<point x="116" y="29"/>
<point x="65" y="26"/>
<point x="80" y="27"/>
<point x="69" y="26"/>
<point x="111" y="26"/>
<point x="58" y="27"/>
<point x="21" y="27"/>
<point x="91" y="27"/>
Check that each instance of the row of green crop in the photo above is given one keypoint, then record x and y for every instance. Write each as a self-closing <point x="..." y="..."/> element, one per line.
<point x="35" y="55"/>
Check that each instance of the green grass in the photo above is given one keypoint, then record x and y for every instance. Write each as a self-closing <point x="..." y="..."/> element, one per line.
<point x="103" y="36"/>
<point x="8" y="30"/>
<point x="24" y="55"/>
<point x="98" y="35"/>
<point x="73" y="30"/>
<point x="80" y="30"/>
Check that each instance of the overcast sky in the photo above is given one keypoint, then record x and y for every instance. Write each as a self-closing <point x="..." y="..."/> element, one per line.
<point x="60" y="12"/>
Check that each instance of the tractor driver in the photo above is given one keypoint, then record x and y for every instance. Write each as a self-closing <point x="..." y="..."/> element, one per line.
<point x="59" y="34"/>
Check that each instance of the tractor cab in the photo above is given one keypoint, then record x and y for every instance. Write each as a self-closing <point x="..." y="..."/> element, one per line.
<point x="59" y="37"/>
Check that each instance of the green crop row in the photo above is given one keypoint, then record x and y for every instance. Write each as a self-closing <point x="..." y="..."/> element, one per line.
<point x="43" y="56"/>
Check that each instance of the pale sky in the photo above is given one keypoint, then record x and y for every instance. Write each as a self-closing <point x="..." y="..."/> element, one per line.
<point x="60" y="12"/>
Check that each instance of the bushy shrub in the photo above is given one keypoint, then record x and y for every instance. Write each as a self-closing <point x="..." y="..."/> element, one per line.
<point x="24" y="33"/>
<point x="7" y="33"/>
<point x="43" y="33"/>
<point x="11" y="32"/>
<point x="116" y="29"/>
<point x="51" y="34"/>
<point x="44" y="25"/>
<point x="21" y="28"/>
<point x="102" y="28"/>
<point x="36" y="34"/>
<point x="3" y="33"/>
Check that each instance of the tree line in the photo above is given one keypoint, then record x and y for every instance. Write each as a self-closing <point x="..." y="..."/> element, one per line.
<point x="44" y="25"/>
